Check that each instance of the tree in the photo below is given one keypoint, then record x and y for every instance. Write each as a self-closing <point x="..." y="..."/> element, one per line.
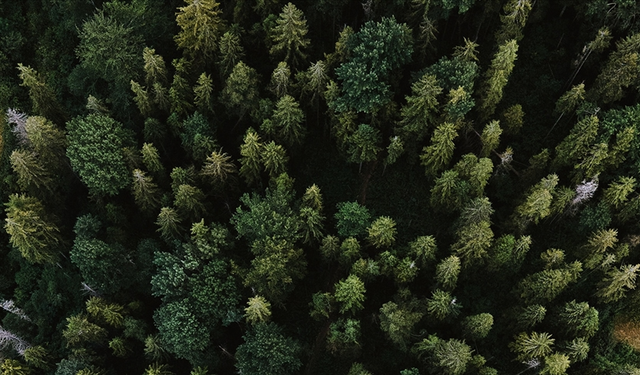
<point x="80" y="330"/>
<point x="274" y="159"/>
<point x="281" y="83"/>
<point x="375" y="51"/>
<point x="534" y="345"/>
<point x="449" y="191"/>
<point x="240" y="93"/>
<point x="201" y="27"/>
<point x="576" y="145"/>
<point x="350" y="294"/>
<point x="599" y="242"/>
<point x="258" y="310"/>
<point x="476" y="171"/>
<point x="577" y="349"/>
<point x="442" y="305"/>
<point x="352" y="219"/>
<point x="474" y="241"/>
<point x="154" y="67"/>
<point x="618" y="191"/>
<point x="496" y="78"/>
<point x="555" y="364"/>
<point x="546" y="285"/>
<point x="32" y="175"/>
<point x="203" y="91"/>
<point x="451" y="356"/>
<point x="267" y="351"/>
<point x="189" y="200"/>
<point x="95" y="153"/>
<point x="219" y="169"/>
<point x="437" y="156"/>
<point x="37" y="356"/>
<point x="251" y="160"/>
<point x="515" y="17"/>
<point x="447" y="272"/>
<point x="382" y="232"/>
<point x="145" y="191"/>
<point x="30" y="229"/>
<point x="288" y="36"/>
<point x="620" y="71"/>
<point x="397" y="321"/>
<point x="477" y="327"/>
<point x="419" y="114"/>
<point x="42" y="96"/>
<point x="363" y="144"/>
<point x="168" y="222"/>
<point x="530" y="316"/>
<point x="423" y="250"/>
<point x="617" y="282"/>
<point x="231" y="52"/>
<point x="180" y="331"/>
<point x="490" y="138"/>
<point x="537" y="205"/>
<point x="288" y="121"/>
<point x="577" y="318"/>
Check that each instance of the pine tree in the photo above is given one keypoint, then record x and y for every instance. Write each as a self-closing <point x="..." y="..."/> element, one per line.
<point x="203" y="91"/>
<point x="423" y="250"/>
<point x="240" y="93"/>
<point x="397" y="321"/>
<point x="420" y="112"/>
<point x="496" y="78"/>
<point x="577" y="349"/>
<point x="154" y="67"/>
<point x="617" y="282"/>
<point x="531" y="315"/>
<point x="288" y="121"/>
<point x="515" y="17"/>
<point x="477" y="327"/>
<point x="145" y="191"/>
<point x="289" y="35"/>
<point x="577" y="318"/>
<point x="189" y="200"/>
<point x="258" y="310"/>
<point x="394" y="150"/>
<point x="42" y="96"/>
<point x="490" y="138"/>
<point x="274" y="159"/>
<point x="251" y="160"/>
<point x="599" y="242"/>
<point x="30" y="229"/>
<point x="32" y="175"/>
<point x="231" y="52"/>
<point x="438" y="155"/>
<point x="201" y="27"/>
<point x="447" y="272"/>
<point x="350" y="294"/>
<point x="449" y="191"/>
<point x="537" y="205"/>
<point x="80" y="330"/>
<point x="219" y="169"/>
<point x="473" y="242"/>
<point x="618" y="191"/>
<point x="151" y="159"/>
<point x="382" y="232"/>
<point x="534" y="345"/>
<point x="620" y="71"/>
<point x="442" y="305"/>
<point x="281" y="82"/>
<point x="141" y="98"/>
<point x="364" y="144"/>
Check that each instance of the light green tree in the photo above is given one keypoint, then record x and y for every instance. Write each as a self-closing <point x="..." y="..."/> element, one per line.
<point x="442" y="305"/>
<point x="437" y="156"/>
<point x="200" y="27"/>
<point x="617" y="282"/>
<point x="529" y="346"/>
<point x="447" y="272"/>
<point x="289" y="35"/>
<point x="258" y="310"/>
<point x="349" y="293"/>
<point x="496" y="78"/>
<point x="382" y="232"/>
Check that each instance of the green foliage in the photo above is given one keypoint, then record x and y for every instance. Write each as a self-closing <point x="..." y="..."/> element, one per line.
<point x="451" y="357"/>
<point x="240" y="94"/>
<point x="496" y="77"/>
<point x="374" y="51"/>
<point x="437" y="156"/>
<point x="258" y="310"/>
<point x="30" y="229"/>
<point x="578" y="318"/>
<point x="266" y="350"/>
<point x="546" y="285"/>
<point x="382" y="232"/>
<point x="288" y="121"/>
<point x="419" y="114"/>
<point x="80" y="330"/>
<point x="288" y="36"/>
<point x="617" y="282"/>
<point x="363" y="144"/>
<point x="442" y="305"/>
<point x="352" y="219"/>
<point x="344" y="336"/>
<point x="555" y="364"/>
<point x="397" y="321"/>
<point x="95" y="153"/>
<point x="534" y="345"/>
<point x="180" y="331"/>
<point x="447" y="272"/>
<point x="200" y="26"/>
<point x="477" y="326"/>
<point x="350" y="294"/>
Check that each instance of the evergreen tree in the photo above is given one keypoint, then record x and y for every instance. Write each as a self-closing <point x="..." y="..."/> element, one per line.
<point x="203" y="91"/>
<point x="30" y="229"/>
<point x="419" y="114"/>
<point x="537" y="205"/>
<point x="350" y="294"/>
<point x="281" y="83"/>
<point x="438" y="155"/>
<point x="496" y="78"/>
<point x="620" y="71"/>
<point x="515" y="17"/>
<point x="442" y="305"/>
<point x="490" y="138"/>
<point x="618" y="191"/>
<point x="382" y="232"/>
<point x="534" y="345"/>
<point x="397" y="321"/>
<point x="145" y="191"/>
<point x="219" y="169"/>
<point x="258" y="310"/>
<point x="201" y="27"/>
<point x="267" y="351"/>
<point x="240" y="93"/>
<point x="289" y="35"/>
<point x="577" y="318"/>
<point x="477" y="326"/>
<point x="231" y="52"/>
<point x="251" y="160"/>
<point x="274" y="159"/>
<point x="617" y="282"/>
<point x="473" y="243"/>
<point x="531" y="315"/>
<point x="42" y="96"/>
<point x="447" y="272"/>
<point x="288" y="121"/>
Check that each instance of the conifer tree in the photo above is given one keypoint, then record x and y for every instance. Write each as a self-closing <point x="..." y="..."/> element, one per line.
<point x="618" y="191"/>
<point x="534" y="345"/>
<point x="258" y="310"/>
<point x="154" y="67"/>
<point x="423" y="250"/>
<point x="30" y="229"/>
<point x="219" y="169"/>
<point x="364" y="144"/>
<point x="473" y="243"/>
<point x="289" y="35"/>
<point x="189" y="199"/>
<point x="420" y="112"/>
<point x="530" y="315"/>
<point x="617" y="282"/>
<point x="274" y="159"/>
<point x="599" y="242"/>
<point x="496" y="78"/>
<point x="397" y="321"/>
<point x="240" y="92"/>
<point x="231" y="52"/>
<point x="251" y="160"/>
<point x="620" y="71"/>
<point x="281" y="81"/>
<point x="350" y="294"/>
<point x="449" y="191"/>
<point x="442" y="305"/>
<point x="168" y="222"/>
<point x="203" y="91"/>
<point x="394" y="150"/>
<point x="546" y="285"/>
<point x="382" y="232"/>
<point x="288" y="121"/>
<point x="490" y="138"/>
<point x="577" y="318"/>
<point x="32" y="175"/>
<point x="477" y="327"/>
<point x="537" y="205"/>
<point x="145" y="191"/>
<point x="141" y="98"/>
<point x="42" y="96"/>
<point x="315" y="80"/>
<point x="200" y="27"/>
<point x="447" y="272"/>
<point x="151" y="159"/>
<point x="180" y="90"/>
<point x="515" y="17"/>
<point x="438" y="155"/>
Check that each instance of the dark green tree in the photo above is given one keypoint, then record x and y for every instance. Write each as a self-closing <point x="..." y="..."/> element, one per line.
<point x="266" y="350"/>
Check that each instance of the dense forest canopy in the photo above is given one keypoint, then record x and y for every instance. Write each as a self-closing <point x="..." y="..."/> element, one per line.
<point x="319" y="187"/>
